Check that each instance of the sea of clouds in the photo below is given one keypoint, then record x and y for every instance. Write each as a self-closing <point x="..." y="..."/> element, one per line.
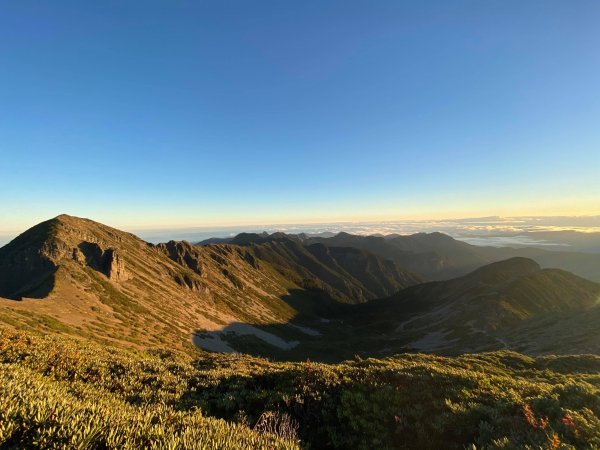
<point x="496" y="231"/>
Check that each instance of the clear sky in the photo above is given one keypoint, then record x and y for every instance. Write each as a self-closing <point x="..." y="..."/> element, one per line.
<point x="160" y="113"/>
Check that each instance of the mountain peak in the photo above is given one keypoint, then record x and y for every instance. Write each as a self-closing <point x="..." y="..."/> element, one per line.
<point x="29" y="262"/>
<point x="502" y="271"/>
<point x="65" y="217"/>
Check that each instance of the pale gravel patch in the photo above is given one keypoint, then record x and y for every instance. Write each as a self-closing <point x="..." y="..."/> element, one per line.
<point x="305" y="330"/>
<point x="213" y="340"/>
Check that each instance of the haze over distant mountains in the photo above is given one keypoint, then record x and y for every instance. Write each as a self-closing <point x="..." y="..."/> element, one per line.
<point x="439" y="256"/>
<point x="297" y="296"/>
<point x="553" y="233"/>
<point x="570" y="233"/>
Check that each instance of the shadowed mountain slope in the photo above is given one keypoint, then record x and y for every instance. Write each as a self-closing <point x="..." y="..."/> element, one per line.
<point x="347" y="274"/>
<point x="437" y="256"/>
<point x="505" y="291"/>
<point x="96" y="281"/>
<point x="481" y="310"/>
<point x="284" y="296"/>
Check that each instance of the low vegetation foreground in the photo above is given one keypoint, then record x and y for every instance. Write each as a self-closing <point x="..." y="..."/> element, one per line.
<point x="57" y="392"/>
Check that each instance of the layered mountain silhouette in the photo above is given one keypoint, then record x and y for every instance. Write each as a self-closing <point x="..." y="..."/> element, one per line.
<point x="292" y="296"/>
<point x="437" y="256"/>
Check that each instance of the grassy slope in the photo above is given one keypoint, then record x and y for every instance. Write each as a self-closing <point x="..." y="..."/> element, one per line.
<point x="57" y="389"/>
<point x="348" y="274"/>
<point x="510" y="304"/>
<point x="161" y="303"/>
<point x="175" y="290"/>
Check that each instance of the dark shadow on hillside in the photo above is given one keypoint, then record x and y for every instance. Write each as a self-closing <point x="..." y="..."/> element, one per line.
<point x="96" y="258"/>
<point x="325" y="330"/>
<point x="93" y="255"/>
<point x="314" y="304"/>
<point x="35" y="282"/>
<point x="322" y="330"/>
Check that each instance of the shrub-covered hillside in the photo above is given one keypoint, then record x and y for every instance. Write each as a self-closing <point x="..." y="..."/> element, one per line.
<point x="59" y="392"/>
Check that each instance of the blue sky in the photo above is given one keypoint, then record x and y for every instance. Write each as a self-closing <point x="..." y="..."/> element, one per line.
<point x="193" y="113"/>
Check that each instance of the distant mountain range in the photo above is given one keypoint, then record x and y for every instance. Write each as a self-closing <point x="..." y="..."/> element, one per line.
<point x="298" y="296"/>
<point x="438" y="256"/>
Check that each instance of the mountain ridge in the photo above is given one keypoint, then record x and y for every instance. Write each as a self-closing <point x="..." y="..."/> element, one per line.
<point x="108" y="284"/>
<point x="480" y="311"/>
<point x="438" y="256"/>
<point x="280" y="296"/>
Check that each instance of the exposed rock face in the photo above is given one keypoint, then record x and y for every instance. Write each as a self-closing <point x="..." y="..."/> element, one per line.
<point x="184" y="254"/>
<point x="186" y="281"/>
<point x="55" y="250"/>
<point x="78" y="256"/>
<point x="108" y="261"/>
<point x="115" y="266"/>
<point x="249" y="259"/>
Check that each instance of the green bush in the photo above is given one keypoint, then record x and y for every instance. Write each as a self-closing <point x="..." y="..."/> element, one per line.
<point x="57" y="392"/>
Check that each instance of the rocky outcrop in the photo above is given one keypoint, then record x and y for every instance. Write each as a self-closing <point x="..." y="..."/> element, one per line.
<point x="78" y="256"/>
<point x="28" y="264"/>
<point x="109" y="261"/>
<point x="115" y="266"/>
<point x="184" y="254"/>
<point x="189" y="282"/>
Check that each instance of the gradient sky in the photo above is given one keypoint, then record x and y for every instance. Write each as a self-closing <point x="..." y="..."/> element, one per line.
<point x="161" y="113"/>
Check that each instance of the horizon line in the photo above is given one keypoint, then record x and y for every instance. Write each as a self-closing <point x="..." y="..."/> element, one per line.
<point x="217" y="225"/>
